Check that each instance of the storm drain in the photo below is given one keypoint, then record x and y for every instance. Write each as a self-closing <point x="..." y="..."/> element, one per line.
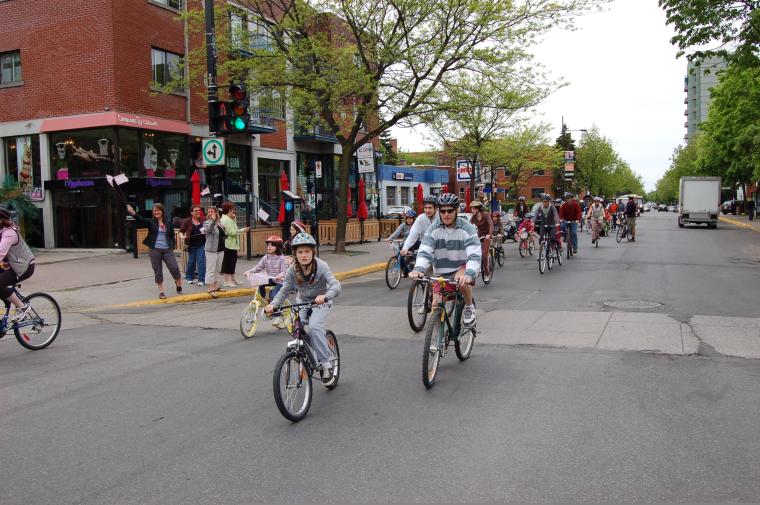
<point x="632" y="304"/>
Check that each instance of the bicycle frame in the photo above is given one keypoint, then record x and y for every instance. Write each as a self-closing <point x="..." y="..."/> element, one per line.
<point x="301" y="343"/>
<point x="5" y="327"/>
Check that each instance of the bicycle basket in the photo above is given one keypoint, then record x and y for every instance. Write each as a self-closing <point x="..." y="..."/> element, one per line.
<point x="258" y="279"/>
<point x="524" y="234"/>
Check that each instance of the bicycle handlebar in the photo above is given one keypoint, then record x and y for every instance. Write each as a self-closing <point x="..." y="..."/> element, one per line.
<point x="443" y="280"/>
<point x="278" y="312"/>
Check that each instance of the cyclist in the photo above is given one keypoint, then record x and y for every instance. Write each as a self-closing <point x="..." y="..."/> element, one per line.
<point x="570" y="213"/>
<point x="421" y="225"/>
<point x="596" y="214"/>
<point x="17" y="264"/>
<point x="631" y="211"/>
<point x="402" y="232"/>
<point x="312" y="279"/>
<point x="484" y="224"/>
<point x="451" y="246"/>
<point x="521" y="210"/>
<point x="547" y="220"/>
<point x="498" y="226"/>
<point x="276" y="266"/>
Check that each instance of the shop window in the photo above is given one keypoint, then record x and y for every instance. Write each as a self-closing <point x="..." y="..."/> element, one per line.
<point x="390" y="195"/>
<point x="536" y="193"/>
<point x="10" y="67"/>
<point x="168" y="70"/>
<point x="22" y="155"/>
<point x="129" y="152"/>
<point x="269" y="173"/>
<point x="82" y="153"/>
<point x="164" y="155"/>
<point x="404" y="195"/>
<point x="238" y="166"/>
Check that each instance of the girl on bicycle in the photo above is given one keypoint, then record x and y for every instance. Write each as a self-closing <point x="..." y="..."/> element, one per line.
<point x="312" y="280"/>
<point x="275" y="266"/>
<point x="401" y="233"/>
<point x="17" y="264"/>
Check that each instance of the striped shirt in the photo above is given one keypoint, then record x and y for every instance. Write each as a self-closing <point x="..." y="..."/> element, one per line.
<point x="447" y="249"/>
<point x="275" y="265"/>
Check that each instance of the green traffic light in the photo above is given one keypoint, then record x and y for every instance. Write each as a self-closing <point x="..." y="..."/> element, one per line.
<point x="238" y="124"/>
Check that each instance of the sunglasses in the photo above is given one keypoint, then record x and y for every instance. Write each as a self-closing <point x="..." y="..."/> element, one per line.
<point x="446" y="211"/>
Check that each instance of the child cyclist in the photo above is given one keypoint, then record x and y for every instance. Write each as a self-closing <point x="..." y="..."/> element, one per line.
<point x="402" y="232"/>
<point x="275" y="266"/>
<point x="312" y="279"/>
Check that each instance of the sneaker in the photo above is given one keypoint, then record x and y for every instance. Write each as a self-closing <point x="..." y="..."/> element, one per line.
<point x="201" y="283"/>
<point x="237" y="283"/>
<point x="327" y="375"/>
<point x="229" y="285"/>
<point x="20" y="314"/>
<point x="575" y="251"/>
<point x="469" y="317"/>
<point x="191" y="281"/>
<point x="277" y="322"/>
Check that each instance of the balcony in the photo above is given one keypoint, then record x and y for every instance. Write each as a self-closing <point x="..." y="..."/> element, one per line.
<point x="316" y="133"/>
<point x="261" y="122"/>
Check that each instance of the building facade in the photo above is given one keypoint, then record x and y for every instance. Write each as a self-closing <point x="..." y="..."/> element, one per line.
<point x="398" y="184"/>
<point x="89" y="91"/>
<point x="699" y="79"/>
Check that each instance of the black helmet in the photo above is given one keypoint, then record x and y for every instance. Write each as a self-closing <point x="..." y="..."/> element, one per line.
<point x="448" y="199"/>
<point x="431" y="199"/>
<point x="4" y="213"/>
<point x="569" y="195"/>
<point x="546" y="197"/>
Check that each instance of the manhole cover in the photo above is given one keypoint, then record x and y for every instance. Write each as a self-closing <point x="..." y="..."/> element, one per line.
<point x="632" y="304"/>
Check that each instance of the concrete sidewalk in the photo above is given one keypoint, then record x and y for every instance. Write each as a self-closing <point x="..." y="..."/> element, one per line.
<point x="85" y="279"/>
<point x="741" y="221"/>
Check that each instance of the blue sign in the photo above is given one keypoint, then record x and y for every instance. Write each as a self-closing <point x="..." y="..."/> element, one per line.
<point x="288" y="206"/>
<point x="486" y="189"/>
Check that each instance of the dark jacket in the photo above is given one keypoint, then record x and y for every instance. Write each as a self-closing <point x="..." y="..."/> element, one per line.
<point x="150" y="240"/>
<point x="631" y="208"/>
<point x="191" y="239"/>
<point x="521" y="210"/>
<point x="570" y="211"/>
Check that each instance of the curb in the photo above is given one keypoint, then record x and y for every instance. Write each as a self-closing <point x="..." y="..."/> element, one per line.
<point x="738" y="223"/>
<point x="231" y="293"/>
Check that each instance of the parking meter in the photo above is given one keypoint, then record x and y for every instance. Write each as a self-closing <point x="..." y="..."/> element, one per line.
<point x="293" y="204"/>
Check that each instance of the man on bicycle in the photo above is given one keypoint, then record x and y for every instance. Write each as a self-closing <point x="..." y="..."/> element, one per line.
<point x="402" y="232"/>
<point x="484" y="224"/>
<point x="570" y="213"/>
<point x="631" y="211"/>
<point x="451" y="246"/>
<point x="547" y="220"/>
<point x="421" y="225"/>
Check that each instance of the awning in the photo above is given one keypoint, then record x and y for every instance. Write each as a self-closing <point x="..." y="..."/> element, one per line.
<point x="114" y="119"/>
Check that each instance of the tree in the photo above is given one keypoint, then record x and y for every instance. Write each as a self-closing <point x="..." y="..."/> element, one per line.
<point x="390" y="157"/>
<point x="360" y="68"/>
<point x="684" y="162"/>
<point x="595" y="159"/>
<point x="731" y="27"/>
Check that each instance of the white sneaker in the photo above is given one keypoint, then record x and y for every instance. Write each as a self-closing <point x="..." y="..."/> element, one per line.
<point x="237" y="282"/>
<point x="327" y="375"/>
<point x="191" y="281"/>
<point x="201" y="283"/>
<point x="278" y="322"/>
<point x="20" y="314"/>
<point x="468" y="319"/>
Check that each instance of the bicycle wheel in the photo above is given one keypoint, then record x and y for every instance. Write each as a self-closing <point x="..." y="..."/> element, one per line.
<point x="488" y="278"/>
<point x="559" y="255"/>
<point x="619" y="235"/>
<point x="393" y="272"/>
<point x="523" y="248"/>
<point x="531" y="247"/>
<point x="463" y="346"/>
<point x="417" y="306"/>
<point x="332" y="343"/>
<point x="543" y="261"/>
<point x="249" y="319"/>
<point x="292" y="386"/>
<point x="42" y="325"/>
<point x="434" y="342"/>
<point x="500" y="255"/>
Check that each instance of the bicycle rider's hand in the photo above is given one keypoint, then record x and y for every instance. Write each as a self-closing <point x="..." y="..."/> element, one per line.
<point x="414" y="274"/>
<point x="321" y="299"/>
<point x="404" y="252"/>
<point x="465" y="280"/>
<point x="269" y="309"/>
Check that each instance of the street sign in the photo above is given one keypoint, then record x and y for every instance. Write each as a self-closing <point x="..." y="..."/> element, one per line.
<point x="318" y="169"/>
<point x="213" y="152"/>
<point x="365" y="157"/>
<point x="464" y="169"/>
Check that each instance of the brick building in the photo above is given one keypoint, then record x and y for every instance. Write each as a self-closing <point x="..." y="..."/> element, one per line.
<point x="80" y="100"/>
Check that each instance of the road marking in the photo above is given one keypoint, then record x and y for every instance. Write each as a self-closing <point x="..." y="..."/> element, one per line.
<point x="738" y="223"/>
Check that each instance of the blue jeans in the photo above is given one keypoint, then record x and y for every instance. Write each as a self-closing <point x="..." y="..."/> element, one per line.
<point x="276" y="289"/>
<point x="196" y="259"/>
<point x="573" y="235"/>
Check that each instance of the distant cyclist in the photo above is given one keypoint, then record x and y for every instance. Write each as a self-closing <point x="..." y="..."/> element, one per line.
<point x="547" y="220"/>
<point x="631" y="211"/>
<point x="483" y="222"/>
<point x="402" y="232"/>
<point x="421" y="225"/>
<point x="570" y="213"/>
<point x="17" y="264"/>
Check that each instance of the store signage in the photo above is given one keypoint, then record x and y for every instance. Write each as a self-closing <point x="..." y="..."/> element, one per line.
<point x="318" y="169"/>
<point x="402" y="176"/>
<point x="365" y="157"/>
<point x="138" y="121"/>
<point x="79" y="184"/>
<point x="464" y="169"/>
<point x="160" y="183"/>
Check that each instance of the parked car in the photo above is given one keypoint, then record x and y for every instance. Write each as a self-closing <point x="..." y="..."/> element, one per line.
<point x="728" y="207"/>
<point x="398" y="210"/>
<point x="662" y="208"/>
<point x="671" y="208"/>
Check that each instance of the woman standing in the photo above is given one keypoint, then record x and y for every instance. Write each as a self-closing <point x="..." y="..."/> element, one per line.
<point x="214" y="250"/>
<point x="160" y="241"/>
<point x="192" y="228"/>
<point x="231" y="244"/>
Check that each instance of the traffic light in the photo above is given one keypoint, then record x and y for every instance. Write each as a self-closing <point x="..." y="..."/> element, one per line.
<point x="239" y="108"/>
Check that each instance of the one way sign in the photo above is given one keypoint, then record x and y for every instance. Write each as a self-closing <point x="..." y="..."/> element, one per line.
<point x="213" y="151"/>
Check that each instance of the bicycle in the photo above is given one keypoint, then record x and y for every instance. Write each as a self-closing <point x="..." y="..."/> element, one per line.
<point x="497" y="249"/>
<point x="41" y="325"/>
<point x="596" y="233"/>
<point x="393" y="267"/>
<point x="527" y="243"/>
<point x="548" y="252"/>
<point x="252" y="314"/>
<point x="487" y="278"/>
<point x="291" y="380"/>
<point x="443" y="327"/>
<point x="569" y="238"/>
<point x="623" y="231"/>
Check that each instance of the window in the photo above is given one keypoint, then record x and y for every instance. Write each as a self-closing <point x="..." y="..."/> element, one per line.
<point x="272" y="105"/>
<point x="168" y="70"/>
<point x="535" y="193"/>
<point x="82" y="154"/>
<point x="22" y="158"/>
<point x="538" y="172"/>
<point x="172" y="4"/>
<point x="390" y="195"/>
<point x="404" y="195"/>
<point x="10" y="68"/>
<point x="164" y="155"/>
<point x="249" y="33"/>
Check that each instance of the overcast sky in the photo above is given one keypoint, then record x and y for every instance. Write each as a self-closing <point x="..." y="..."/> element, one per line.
<point x="623" y="77"/>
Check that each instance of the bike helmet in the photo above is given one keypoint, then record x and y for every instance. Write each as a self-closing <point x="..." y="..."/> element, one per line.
<point x="476" y="204"/>
<point x="298" y="225"/>
<point x="431" y="199"/>
<point x="569" y="195"/>
<point x="449" y="200"/>
<point x="303" y="239"/>
<point x="558" y="201"/>
<point x="410" y="213"/>
<point x="546" y="197"/>
<point x="522" y="199"/>
<point x="5" y="213"/>
<point x="274" y="239"/>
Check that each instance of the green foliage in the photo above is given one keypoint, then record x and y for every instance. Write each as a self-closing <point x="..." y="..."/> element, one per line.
<point x="600" y="170"/>
<point x="12" y="198"/>
<point x="389" y="156"/>
<point x="684" y="162"/>
<point x="420" y="158"/>
<point x="731" y="27"/>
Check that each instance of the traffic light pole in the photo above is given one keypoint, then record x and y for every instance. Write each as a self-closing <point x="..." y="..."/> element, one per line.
<point x="210" y="60"/>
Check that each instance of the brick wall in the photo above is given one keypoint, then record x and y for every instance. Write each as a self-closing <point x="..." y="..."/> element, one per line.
<point x="277" y="140"/>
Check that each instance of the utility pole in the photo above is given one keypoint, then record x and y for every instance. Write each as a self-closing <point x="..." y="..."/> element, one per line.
<point x="210" y="61"/>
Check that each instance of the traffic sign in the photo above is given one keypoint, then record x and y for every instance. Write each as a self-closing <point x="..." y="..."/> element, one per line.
<point x="213" y="152"/>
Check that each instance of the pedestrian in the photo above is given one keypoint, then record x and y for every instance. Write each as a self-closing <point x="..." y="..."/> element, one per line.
<point x="296" y="227"/>
<point x="213" y="250"/>
<point x="631" y="210"/>
<point x="160" y="241"/>
<point x="195" y="241"/>
<point x="231" y="244"/>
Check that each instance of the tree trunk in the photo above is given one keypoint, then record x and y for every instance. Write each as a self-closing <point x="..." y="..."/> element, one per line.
<point x="344" y="171"/>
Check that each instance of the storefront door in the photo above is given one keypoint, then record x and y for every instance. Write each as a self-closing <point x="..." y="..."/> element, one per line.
<point x="85" y="219"/>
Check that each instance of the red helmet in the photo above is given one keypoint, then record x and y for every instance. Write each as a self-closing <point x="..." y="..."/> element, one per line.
<point x="274" y="239"/>
<point x="298" y="225"/>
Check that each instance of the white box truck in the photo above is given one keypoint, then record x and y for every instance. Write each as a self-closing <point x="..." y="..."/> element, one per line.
<point x="699" y="201"/>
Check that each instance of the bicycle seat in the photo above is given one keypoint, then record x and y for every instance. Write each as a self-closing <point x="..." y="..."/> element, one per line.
<point x="17" y="286"/>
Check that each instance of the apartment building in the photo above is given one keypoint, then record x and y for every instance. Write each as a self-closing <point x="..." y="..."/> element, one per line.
<point x="699" y="79"/>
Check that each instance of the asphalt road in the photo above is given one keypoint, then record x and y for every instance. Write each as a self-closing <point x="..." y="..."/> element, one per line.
<point x="131" y="412"/>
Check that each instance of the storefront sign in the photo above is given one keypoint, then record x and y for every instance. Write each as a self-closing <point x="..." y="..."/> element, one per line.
<point x="318" y="169"/>
<point x="365" y="157"/>
<point x="79" y="184"/>
<point x="402" y="176"/>
<point x="464" y="169"/>
<point x="113" y="118"/>
<point x="159" y="183"/>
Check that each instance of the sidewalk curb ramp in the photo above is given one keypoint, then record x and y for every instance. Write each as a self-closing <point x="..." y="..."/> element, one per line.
<point x="230" y="293"/>
<point x="738" y="223"/>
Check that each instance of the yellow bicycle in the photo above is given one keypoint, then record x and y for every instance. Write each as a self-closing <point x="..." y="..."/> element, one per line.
<point x="254" y="311"/>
